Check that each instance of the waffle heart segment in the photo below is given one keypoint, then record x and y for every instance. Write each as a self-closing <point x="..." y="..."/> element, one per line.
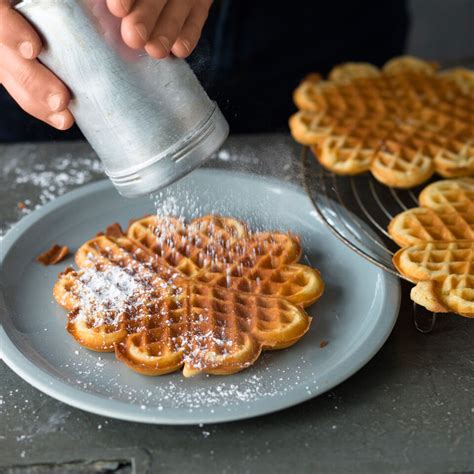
<point x="424" y="293"/>
<point x="456" y="292"/>
<point x="436" y="260"/>
<point x="454" y="195"/>
<point x="145" y="295"/>
<point x="422" y="224"/>
<point x="221" y="252"/>
<point x="403" y="123"/>
<point x="438" y="247"/>
<point x="446" y="214"/>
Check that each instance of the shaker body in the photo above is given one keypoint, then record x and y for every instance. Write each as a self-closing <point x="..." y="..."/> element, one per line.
<point x="150" y="121"/>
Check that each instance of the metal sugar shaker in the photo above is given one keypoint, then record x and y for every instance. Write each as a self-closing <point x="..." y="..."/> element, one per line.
<point x="149" y="121"/>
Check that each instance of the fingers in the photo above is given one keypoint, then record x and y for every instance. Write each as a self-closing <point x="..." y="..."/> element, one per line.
<point x="168" y="27"/>
<point x="17" y="34"/>
<point x="138" y="26"/>
<point x="161" y="26"/>
<point x="36" y="89"/>
<point x="191" y="32"/>
<point x="120" y="8"/>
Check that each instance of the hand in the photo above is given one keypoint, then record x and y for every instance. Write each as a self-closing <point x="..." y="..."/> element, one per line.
<point x="36" y="89"/>
<point x="161" y="26"/>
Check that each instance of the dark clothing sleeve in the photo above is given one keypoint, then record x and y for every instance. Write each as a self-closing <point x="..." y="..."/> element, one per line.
<point x="253" y="53"/>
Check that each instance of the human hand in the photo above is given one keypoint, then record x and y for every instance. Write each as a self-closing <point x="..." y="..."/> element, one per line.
<point x="34" y="87"/>
<point x="161" y="26"/>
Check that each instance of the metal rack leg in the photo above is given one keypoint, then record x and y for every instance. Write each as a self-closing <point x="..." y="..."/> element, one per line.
<point x="423" y="320"/>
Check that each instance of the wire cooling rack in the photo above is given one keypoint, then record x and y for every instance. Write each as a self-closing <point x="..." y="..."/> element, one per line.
<point x="345" y="204"/>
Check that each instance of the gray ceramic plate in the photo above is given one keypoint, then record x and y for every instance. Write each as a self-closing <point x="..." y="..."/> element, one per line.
<point x="355" y="315"/>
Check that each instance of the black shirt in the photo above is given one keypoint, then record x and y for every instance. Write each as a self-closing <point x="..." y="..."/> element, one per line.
<point x="253" y="53"/>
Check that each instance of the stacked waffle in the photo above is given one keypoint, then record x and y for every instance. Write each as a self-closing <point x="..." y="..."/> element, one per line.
<point x="208" y="295"/>
<point x="437" y="241"/>
<point x="402" y="123"/>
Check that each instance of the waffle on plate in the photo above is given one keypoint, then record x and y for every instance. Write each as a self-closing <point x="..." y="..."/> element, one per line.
<point x="207" y="296"/>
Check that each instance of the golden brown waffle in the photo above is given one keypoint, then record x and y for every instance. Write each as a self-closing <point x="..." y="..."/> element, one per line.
<point x="438" y="252"/>
<point x="446" y="214"/>
<point x="449" y="195"/>
<point x="436" y="260"/>
<point x="159" y="302"/>
<point x="220" y="252"/>
<point x="463" y="77"/>
<point x="422" y="224"/>
<point x="402" y="123"/>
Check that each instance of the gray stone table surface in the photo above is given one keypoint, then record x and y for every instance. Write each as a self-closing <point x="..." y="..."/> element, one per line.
<point x="410" y="409"/>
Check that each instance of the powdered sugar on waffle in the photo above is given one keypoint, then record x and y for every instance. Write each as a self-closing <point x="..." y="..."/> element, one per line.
<point x="218" y="251"/>
<point x="109" y="292"/>
<point x="124" y="285"/>
<point x="201" y="347"/>
<point x="107" y="295"/>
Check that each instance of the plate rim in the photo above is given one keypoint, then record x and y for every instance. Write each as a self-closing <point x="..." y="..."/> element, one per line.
<point x="65" y="392"/>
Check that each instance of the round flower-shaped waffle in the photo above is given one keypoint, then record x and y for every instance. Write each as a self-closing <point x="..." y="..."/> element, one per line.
<point x="207" y="296"/>
<point x="402" y="123"/>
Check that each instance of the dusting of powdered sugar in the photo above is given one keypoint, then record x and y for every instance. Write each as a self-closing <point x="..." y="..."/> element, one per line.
<point x="202" y="393"/>
<point x="37" y="183"/>
<point x="59" y="176"/>
<point x="190" y="198"/>
<point x="137" y="290"/>
<point x="276" y="160"/>
<point x="106" y="295"/>
<point x="245" y="159"/>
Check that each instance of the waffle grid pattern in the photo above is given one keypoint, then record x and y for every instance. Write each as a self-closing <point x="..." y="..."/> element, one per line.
<point x="438" y="247"/>
<point x="143" y="298"/>
<point x="402" y="123"/>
